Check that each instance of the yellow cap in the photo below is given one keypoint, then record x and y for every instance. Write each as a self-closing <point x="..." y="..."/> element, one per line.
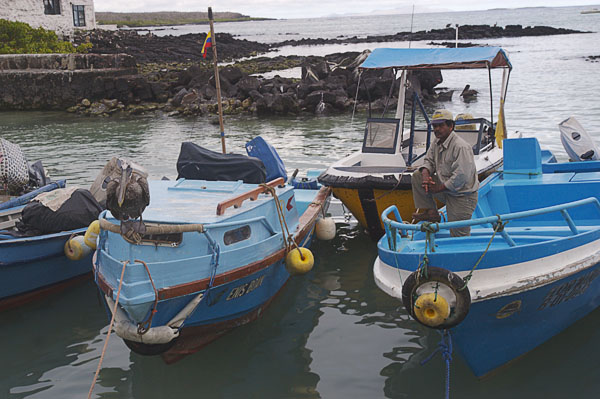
<point x="441" y="115"/>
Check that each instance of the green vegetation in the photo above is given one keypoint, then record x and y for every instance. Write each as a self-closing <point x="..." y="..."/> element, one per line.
<point x="20" y="38"/>
<point x="166" y="18"/>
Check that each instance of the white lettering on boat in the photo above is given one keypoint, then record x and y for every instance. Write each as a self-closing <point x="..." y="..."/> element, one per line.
<point x="245" y="288"/>
<point x="568" y="290"/>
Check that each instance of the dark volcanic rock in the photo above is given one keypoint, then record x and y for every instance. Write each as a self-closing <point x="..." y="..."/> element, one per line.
<point x="464" y="32"/>
<point x="158" y="49"/>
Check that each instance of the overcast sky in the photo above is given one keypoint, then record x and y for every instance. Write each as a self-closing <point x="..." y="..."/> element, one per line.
<point x="321" y="8"/>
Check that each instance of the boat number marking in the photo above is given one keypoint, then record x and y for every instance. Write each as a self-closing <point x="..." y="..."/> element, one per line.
<point x="245" y="288"/>
<point x="569" y="290"/>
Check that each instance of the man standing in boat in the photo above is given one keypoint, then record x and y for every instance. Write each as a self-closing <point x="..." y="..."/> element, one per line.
<point x="448" y="175"/>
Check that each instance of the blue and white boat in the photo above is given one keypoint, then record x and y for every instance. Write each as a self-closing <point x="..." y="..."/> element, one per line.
<point x="214" y="255"/>
<point x="528" y="271"/>
<point x="32" y="267"/>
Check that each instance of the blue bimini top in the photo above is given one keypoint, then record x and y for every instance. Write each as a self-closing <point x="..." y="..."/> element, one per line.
<point x="440" y="58"/>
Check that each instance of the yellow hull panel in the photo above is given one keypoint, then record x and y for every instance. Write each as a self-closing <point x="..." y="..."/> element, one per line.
<point x="367" y="205"/>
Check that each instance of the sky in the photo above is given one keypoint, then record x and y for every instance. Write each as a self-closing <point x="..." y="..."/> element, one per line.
<point x="323" y="8"/>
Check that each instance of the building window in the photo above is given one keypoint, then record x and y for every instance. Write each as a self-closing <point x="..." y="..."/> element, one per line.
<point x="52" y="7"/>
<point x="78" y="15"/>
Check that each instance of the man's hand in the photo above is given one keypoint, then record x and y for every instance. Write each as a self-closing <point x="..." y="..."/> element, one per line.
<point x="429" y="184"/>
<point x="427" y="180"/>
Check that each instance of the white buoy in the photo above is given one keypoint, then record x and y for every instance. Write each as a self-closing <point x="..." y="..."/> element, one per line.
<point x="325" y="229"/>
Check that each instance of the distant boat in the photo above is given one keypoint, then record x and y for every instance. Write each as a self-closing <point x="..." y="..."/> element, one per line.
<point x="592" y="11"/>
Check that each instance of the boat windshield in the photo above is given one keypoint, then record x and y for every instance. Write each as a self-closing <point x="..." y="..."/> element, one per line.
<point x="381" y="135"/>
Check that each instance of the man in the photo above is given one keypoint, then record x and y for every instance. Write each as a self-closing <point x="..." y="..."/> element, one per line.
<point x="448" y="174"/>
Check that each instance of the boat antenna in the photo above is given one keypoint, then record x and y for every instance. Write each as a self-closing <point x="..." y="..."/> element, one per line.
<point x="412" y="16"/>
<point x="217" y="82"/>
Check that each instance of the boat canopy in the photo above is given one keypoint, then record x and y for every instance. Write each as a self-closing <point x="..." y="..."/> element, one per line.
<point x="440" y="58"/>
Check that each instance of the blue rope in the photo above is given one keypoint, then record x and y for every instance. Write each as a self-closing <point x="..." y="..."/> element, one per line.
<point x="445" y="348"/>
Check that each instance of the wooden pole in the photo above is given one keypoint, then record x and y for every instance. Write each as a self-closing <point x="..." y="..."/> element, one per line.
<point x="217" y="82"/>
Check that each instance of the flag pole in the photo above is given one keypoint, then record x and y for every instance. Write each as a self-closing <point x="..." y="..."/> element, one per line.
<point x="217" y="82"/>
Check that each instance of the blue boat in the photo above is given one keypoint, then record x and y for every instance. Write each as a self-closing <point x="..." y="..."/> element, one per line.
<point x="32" y="267"/>
<point x="213" y="256"/>
<point x="528" y="271"/>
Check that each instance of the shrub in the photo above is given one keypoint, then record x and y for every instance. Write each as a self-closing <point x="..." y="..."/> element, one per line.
<point x="20" y="38"/>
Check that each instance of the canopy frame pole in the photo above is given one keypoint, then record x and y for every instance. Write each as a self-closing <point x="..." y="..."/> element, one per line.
<point x="401" y="100"/>
<point x="489" y="68"/>
<point x="217" y="82"/>
<point x="389" y="96"/>
<point x="356" y="96"/>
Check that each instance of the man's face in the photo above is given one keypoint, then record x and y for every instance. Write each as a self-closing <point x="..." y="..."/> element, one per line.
<point x="441" y="131"/>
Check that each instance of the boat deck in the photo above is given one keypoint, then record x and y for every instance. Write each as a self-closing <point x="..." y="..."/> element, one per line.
<point x="196" y="201"/>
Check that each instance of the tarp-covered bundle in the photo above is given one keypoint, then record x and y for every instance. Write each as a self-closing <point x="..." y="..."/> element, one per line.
<point x="14" y="173"/>
<point x="198" y="163"/>
<point x="259" y="148"/>
<point x="59" y="210"/>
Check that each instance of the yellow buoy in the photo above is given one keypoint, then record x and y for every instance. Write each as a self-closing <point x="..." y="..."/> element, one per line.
<point x="325" y="229"/>
<point x="431" y="309"/>
<point x="297" y="264"/>
<point x="91" y="234"/>
<point x="76" y="249"/>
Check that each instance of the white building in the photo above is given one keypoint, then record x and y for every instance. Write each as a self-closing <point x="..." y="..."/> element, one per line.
<point x="61" y="16"/>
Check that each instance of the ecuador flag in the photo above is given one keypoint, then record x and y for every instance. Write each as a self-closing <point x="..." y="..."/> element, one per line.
<point x="207" y="44"/>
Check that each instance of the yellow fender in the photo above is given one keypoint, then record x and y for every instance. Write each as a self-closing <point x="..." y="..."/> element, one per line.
<point x="76" y="249"/>
<point x="431" y="309"/>
<point x="299" y="261"/>
<point x="91" y="234"/>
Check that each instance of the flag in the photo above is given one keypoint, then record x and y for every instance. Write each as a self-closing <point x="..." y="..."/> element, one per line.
<point x="500" y="125"/>
<point x="207" y="44"/>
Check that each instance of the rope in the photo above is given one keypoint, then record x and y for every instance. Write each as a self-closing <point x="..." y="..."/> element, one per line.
<point x="156" y="229"/>
<point x="384" y="194"/>
<point x="110" y="327"/>
<point x="144" y="326"/>
<point x="445" y="348"/>
<point x="288" y="240"/>
<point x="499" y="226"/>
<point x="69" y="242"/>
<point x="214" y="262"/>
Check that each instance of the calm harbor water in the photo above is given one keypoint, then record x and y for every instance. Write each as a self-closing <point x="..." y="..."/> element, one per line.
<point x="331" y="333"/>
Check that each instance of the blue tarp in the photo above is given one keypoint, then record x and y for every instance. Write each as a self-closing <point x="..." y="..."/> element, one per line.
<point x="441" y="58"/>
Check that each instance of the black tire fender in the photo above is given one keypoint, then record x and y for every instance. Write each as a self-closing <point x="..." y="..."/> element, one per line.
<point x="455" y="283"/>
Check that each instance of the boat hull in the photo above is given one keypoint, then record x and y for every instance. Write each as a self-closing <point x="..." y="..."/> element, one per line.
<point x="227" y="306"/>
<point x="501" y="329"/>
<point x="242" y="287"/>
<point x="33" y="267"/>
<point x="505" y="323"/>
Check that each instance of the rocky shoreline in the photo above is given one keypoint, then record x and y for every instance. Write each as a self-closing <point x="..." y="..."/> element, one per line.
<point x="173" y="78"/>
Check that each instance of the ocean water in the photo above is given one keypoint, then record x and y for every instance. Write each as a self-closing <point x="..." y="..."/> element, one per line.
<point x="331" y="333"/>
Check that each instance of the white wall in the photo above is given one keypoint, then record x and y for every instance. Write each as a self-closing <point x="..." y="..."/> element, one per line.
<point x="32" y="13"/>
